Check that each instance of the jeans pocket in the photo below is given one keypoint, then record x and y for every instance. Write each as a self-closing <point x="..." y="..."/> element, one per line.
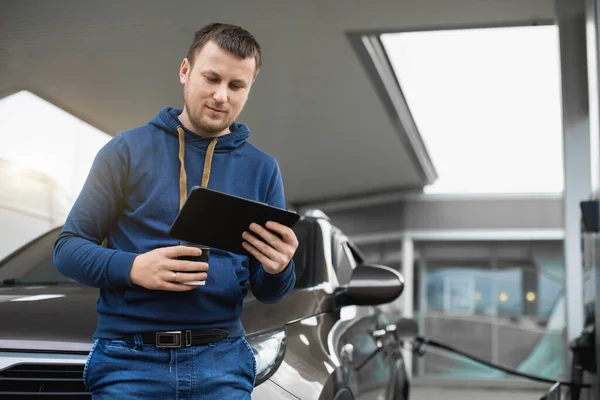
<point x="119" y="344"/>
<point x="87" y="362"/>
<point x="252" y="357"/>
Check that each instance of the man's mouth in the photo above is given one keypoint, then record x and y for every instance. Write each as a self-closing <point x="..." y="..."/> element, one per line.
<point x="215" y="109"/>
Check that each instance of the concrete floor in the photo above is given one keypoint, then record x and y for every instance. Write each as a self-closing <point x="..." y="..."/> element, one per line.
<point x="423" y="393"/>
<point x="424" y="389"/>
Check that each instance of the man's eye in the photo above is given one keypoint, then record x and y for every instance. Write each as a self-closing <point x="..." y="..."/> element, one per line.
<point x="212" y="79"/>
<point x="235" y="87"/>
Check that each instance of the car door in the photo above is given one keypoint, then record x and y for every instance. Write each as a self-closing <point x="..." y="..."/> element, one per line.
<point x="361" y="321"/>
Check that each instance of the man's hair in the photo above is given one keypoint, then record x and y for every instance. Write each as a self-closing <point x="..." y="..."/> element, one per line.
<point x="231" y="38"/>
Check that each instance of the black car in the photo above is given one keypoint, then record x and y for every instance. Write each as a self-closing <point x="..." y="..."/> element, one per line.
<point x="301" y="343"/>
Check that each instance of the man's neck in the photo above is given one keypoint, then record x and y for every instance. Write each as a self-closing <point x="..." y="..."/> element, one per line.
<point x="185" y="121"/>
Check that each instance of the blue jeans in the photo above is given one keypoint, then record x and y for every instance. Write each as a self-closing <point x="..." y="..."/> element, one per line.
<point x="121" y="369"/>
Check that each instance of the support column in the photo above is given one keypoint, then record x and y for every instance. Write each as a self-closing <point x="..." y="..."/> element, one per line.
<point x="592" y="13"/>
<point x="408" y="271"/>
<point x="592" y="19"/>
<point x="576" y="136"/>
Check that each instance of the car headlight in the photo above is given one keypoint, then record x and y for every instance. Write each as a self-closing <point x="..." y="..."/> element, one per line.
<point x="269" y="349"/>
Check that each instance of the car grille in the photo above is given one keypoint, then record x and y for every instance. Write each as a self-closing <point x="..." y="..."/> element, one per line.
<point x="47" y="381"/>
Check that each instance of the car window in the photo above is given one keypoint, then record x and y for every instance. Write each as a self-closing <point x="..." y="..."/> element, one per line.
<point x="343" y="259"/>
<point x="32" y="263"/>
<point x="304" y="232"/>
<point x="355" y="253"/>
<point x="44" y="272"/>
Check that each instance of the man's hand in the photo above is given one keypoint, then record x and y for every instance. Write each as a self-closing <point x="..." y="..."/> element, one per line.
<point x="278" y="253"/>
<point x="159" y="269"/>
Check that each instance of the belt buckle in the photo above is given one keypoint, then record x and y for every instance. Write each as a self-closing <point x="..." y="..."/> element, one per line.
<point x="168" y="340"/>
<point x="172" y="339"/>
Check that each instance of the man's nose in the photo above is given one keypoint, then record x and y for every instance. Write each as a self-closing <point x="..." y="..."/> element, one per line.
<point x="220" y="95"/>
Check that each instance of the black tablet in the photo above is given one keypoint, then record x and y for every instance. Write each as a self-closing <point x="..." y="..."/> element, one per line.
<point x="218" y="219"/>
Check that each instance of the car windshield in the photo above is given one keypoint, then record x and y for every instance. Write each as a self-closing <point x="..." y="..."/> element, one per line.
<point x="32" y="264"/>
<point x="42" y="274"/>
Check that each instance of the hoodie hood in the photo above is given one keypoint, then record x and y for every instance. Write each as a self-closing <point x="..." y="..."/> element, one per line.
<point x="168" y="121"/>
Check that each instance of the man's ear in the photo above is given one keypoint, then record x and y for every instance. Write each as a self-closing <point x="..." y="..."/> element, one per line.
<point x="184" y="71"/>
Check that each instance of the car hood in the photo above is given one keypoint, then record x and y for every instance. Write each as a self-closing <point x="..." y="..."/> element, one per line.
<point x="63" y="317"/>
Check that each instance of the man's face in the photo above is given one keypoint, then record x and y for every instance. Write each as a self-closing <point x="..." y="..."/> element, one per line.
<point x="215" y="89"/>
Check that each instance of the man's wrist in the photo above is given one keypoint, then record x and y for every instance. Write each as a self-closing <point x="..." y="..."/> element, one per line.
<point x="279" y="272"/>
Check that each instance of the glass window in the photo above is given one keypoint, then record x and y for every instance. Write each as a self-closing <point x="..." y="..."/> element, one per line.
<point x="459" y="291"/>
<point x="528" y="339"/>
<point x="507" y="312"/>
<point x="454" y="297"/>
<point x="484" y="304"/>
<point x="484" y="97"/>
<point x="459" y="295"/>
<point x="509" y="287"/>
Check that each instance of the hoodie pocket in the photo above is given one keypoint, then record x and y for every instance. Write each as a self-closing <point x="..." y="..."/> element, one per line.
<point x="220" y="298"/>
<point x="222" y="281"/>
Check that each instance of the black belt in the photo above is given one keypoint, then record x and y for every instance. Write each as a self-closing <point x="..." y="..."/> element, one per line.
<point x="178" y="339"/>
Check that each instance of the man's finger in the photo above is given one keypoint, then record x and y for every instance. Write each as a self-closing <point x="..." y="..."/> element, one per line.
<point x="187" y="276"/>
<point x="175" y="287"/>
<point x="263" y="259"/>
<point x="269" y="237"/>
<point x="178" y="251"/>
<point x="187" y="266"/>
<point x="264" y="248"/>
<point x="287" y="234"/>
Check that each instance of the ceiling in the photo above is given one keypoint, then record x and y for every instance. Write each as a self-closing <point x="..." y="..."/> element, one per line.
<point x="114" y="64"/>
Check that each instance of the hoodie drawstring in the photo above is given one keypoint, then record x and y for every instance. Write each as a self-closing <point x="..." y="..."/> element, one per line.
<point x="208" y="162"/>
<point x="182" y="175"/>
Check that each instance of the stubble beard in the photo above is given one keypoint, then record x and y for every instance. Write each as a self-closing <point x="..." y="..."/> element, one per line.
<point x="202" y="123"/>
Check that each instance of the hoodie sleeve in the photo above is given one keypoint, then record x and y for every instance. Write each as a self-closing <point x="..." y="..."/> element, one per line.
<point x="271" y="288"/>
<point x="78" y="253"/>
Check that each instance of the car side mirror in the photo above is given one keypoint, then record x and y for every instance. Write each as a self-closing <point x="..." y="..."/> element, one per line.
<point x="371" y="285"/>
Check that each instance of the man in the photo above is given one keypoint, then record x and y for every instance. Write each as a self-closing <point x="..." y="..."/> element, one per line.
<point x="135" y="188"/>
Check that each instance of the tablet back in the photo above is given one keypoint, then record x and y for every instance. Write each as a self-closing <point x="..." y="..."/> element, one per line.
<point x="218" y="219"/>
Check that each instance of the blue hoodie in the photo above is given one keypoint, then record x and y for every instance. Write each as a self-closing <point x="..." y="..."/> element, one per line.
<point x="132" y="196"/>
